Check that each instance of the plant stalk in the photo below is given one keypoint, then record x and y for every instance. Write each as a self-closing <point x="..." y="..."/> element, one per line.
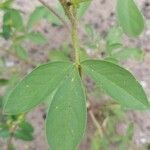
<point x="75" y="42"/>
<point x="70" y="11"/>
<point x="96" y="123"/>
<point x="9" y="142"/>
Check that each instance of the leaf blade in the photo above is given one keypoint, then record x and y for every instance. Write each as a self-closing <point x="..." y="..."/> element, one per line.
<point x="36" y="16"/>
<point x="118" y="83"/>
<point x="67" y="111"/>
<point x="35" y="87"/>
<point x="130" y="18"/>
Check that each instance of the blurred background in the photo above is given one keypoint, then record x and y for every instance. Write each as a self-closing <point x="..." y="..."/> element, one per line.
<point x="49" y="40"/>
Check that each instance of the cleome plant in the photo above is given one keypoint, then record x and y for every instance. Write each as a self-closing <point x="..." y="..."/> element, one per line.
<point x="62" y="81"/>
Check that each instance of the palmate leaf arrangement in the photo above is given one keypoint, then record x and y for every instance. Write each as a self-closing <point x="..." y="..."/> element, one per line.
<point x="62" y="81"/>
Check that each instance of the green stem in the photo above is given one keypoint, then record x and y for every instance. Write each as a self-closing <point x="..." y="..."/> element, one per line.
<point x="75" y="42"/>
<point x="96" y="123"/>
<point x="70" y="11"/>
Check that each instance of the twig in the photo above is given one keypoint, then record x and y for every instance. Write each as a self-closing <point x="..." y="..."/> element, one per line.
<point x="13" y="129"/>
<point x="97" y="125"/>
<point x="55" y="13"/>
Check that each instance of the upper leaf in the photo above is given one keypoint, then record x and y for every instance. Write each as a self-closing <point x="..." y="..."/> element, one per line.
<point x="129" y="17"/>
<point x="83" y="8"/>
<point x="35" y="87"/>
<point x="66" y="118"/>
<point x="117" y="82"/>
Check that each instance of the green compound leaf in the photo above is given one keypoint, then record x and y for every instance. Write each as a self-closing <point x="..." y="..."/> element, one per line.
<point x="35" y="87"/>
<point x="117" y="82"/>
<point x="66" y="118"/>
<point x="130" y="18"/>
